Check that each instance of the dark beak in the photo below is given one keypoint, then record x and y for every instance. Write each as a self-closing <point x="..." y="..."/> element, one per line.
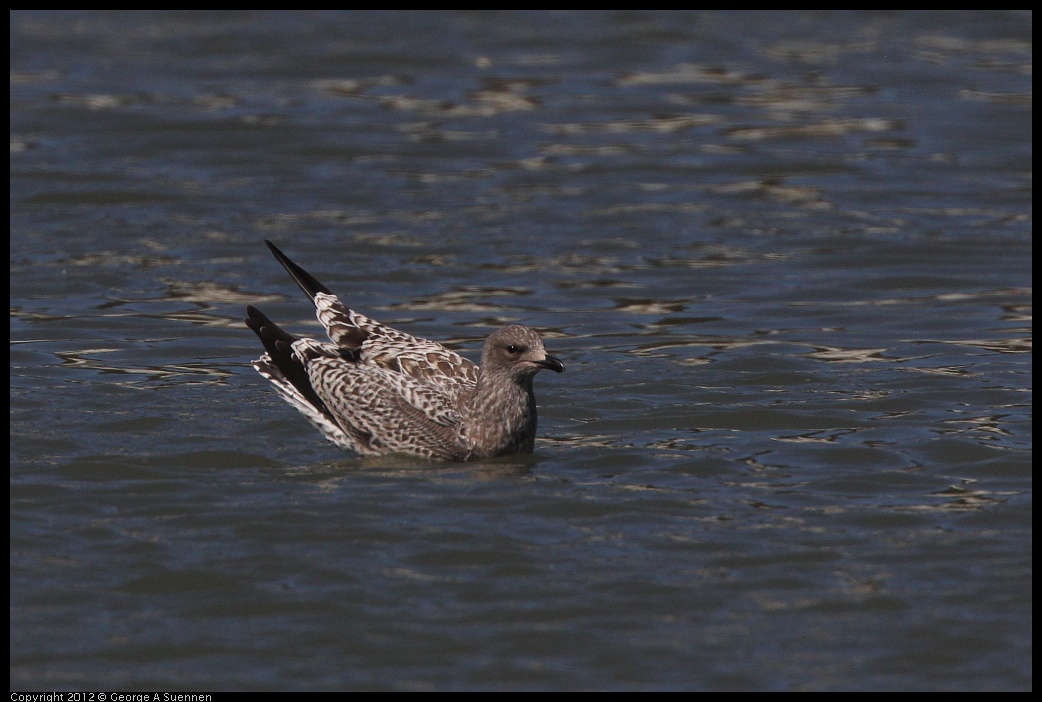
<point x="552" y="363"/>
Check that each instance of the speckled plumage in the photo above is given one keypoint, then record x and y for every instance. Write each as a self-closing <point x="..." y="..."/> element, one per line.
<point x="374" y="390"/>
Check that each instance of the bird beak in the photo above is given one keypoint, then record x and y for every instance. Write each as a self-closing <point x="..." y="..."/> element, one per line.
<point x="551" y="362"/>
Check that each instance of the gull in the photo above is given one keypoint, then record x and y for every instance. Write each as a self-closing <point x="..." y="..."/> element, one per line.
<point x="374" y="390"/>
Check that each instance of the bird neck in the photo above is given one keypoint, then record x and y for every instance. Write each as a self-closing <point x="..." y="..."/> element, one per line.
<point x="500" y="415"/>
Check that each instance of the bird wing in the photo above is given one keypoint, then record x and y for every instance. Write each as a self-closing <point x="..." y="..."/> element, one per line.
<point x="378" y="345"/>
<point x="394" y="411"/>
<point x="373" y="344"/>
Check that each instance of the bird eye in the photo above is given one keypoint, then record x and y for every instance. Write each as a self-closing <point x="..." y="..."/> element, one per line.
<point x="511" y="349"/>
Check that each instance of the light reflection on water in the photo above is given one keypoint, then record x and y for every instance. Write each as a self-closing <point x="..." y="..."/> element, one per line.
<point x="785" y="258"/>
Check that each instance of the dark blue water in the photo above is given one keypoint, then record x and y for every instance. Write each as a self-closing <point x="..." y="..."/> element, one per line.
<point x="785" y="258"/>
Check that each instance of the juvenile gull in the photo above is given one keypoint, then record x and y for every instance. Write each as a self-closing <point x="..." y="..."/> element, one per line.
<point x="377" y="390"/>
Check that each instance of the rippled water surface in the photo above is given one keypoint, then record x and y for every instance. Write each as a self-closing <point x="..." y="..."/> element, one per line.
<point x="785" y="258"/>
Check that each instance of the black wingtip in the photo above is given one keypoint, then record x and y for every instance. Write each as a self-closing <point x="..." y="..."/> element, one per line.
<point x="255" y="320"/>
<point x="281" y="361"/>
<point x="304" y="279"/>
<point x="266" y="330"/>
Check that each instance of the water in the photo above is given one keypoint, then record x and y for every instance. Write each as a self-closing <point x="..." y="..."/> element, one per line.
<point x="785" y="258"/>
